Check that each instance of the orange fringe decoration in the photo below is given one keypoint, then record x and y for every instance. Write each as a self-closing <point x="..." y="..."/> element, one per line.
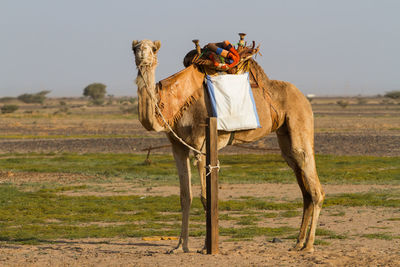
<point x="178" y="92"/>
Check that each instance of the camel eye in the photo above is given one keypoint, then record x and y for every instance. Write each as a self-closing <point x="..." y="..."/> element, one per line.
<point x="154" y="49"/>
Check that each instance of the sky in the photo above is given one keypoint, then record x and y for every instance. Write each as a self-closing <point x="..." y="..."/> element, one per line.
<point x="327" y="48"/>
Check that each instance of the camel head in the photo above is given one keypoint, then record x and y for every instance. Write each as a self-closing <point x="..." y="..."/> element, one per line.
<point x="145" y="52"/>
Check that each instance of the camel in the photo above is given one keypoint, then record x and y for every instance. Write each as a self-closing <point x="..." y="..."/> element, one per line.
<point x="291" y="118"/>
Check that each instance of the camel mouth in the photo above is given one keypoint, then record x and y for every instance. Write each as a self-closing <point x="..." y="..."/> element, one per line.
<point x="141" y="63"/>
<point x="143" y="60"/>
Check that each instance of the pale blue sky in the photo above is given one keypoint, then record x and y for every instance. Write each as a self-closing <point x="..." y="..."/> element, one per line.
<point x="323" y="47"/>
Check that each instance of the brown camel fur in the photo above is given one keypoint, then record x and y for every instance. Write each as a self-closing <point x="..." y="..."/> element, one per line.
<point x="291" y="118"/>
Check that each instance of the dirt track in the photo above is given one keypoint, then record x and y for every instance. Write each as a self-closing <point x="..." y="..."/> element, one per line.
<point x="325" y="143"/>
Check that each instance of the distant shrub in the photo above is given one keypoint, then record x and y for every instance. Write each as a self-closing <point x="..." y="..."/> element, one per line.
<point x="110" y="100"/>
<point x="96" y="91"/>
<point x="98" y="102"/>
<point x="361" y="101"/>
<point x="133" y="100"/>
<point x="130" y="110"/>
<point x="343" y="103"/>
<point x="63" y="107"/>
<point x="386" y="101"/>
<point x="34" y="98"/>
<point x="9" y="108"/>
<point x="6" y="99"/>
<point x="393" y="94"/>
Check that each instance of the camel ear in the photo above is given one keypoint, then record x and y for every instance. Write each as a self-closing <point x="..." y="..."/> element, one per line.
<point x="134" y="43"/>
<point x="157" y="44"/>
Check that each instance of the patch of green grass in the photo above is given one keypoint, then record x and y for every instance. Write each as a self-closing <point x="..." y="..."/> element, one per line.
<point x="257" y="204"/>
<point x="252" y="231"/>
<point x="320" y="242"/>
<point x="63" y="189"/>
<point x="383" y="236"/>
<point x="358" y="169"/>
<point x="372" y="199"/>
<point x="290" y="213"/>
<point x="45" y="215"/>
<point x="248" y="220"/>
<point x="226" y="217"/>
<point x="27" y="217"/>
<point x="332" y="169"/>
<point x="81" y="136"/>
<point x="393" y="219"/>
<point x="329" y="234"/>
<point x="128" y="166"/>
<point x="234" y="168"/>
<point x="270" y="215"/>
<point x="339" y="214"/>
<point x="379" y="227"/>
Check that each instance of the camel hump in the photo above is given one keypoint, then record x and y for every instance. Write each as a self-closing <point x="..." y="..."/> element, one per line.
<point x="288" y="97"/>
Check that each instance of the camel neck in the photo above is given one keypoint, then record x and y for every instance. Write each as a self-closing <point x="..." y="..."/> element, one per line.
<point x="145" y="82"/>
<point x="146" y="78"/>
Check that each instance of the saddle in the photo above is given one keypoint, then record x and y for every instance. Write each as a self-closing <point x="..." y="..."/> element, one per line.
<point x="177" y="92"/>
<point x="221" y="57"/>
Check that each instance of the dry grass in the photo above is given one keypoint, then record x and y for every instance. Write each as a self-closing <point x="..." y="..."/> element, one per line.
<point x="372" y="115"/>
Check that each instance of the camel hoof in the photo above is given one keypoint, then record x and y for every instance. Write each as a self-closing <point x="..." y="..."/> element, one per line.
<point x="308" y="249"/>
<point x="202" y="251"/>
<point x="298" y="247"/>
<point x="178" y="250"/>
<point x="172" y="251"/>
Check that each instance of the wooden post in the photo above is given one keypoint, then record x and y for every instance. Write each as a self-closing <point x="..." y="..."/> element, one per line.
<point x="212" y="234"/>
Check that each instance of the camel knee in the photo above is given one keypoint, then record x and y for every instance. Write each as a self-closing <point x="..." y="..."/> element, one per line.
<point x="186" y="200"/>
<point x="318" y="198"/>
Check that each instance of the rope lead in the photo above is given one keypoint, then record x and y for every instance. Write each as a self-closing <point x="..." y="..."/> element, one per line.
<point x="210" y="168"/>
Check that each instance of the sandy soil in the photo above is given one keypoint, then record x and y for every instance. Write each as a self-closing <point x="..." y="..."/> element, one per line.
<point x="325" y="143"/>
<point x="136" y="252"/>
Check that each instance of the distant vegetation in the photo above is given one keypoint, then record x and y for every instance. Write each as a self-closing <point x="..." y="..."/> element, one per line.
<point x="8" y="108"/>
<point x="6" y="99"/>
<point x="361" y="101"/>
<point x="343" y="103"/>
<point x="96" y="91"/>
<point x="129" y="105"/>
<point x="34" y="98"/>
<point x="393" y="94"/>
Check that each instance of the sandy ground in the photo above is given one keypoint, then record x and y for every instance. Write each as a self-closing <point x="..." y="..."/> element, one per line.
<point x="325" y="143"/>
<point x="136" y="252"/>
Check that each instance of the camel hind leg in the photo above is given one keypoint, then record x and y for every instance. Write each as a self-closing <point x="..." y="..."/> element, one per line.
<point x="296" y="144"/>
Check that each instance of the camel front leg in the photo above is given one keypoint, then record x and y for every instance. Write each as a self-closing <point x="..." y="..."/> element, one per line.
<point x="201" y="166"/>
<point x="181" y="155"/>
